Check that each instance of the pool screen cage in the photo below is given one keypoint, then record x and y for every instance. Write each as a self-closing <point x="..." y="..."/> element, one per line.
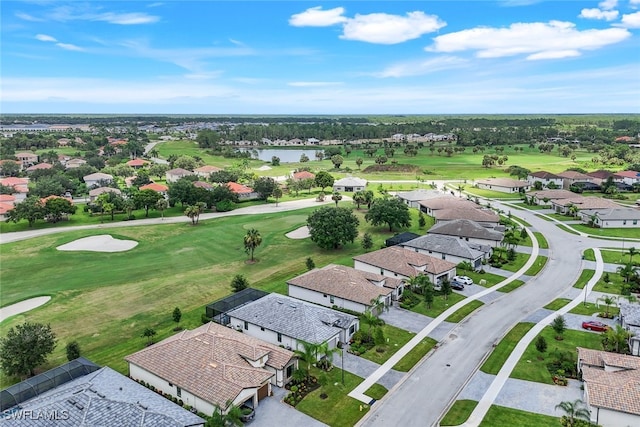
<point x="217" y="310"/>
<point x="36" y="385"/>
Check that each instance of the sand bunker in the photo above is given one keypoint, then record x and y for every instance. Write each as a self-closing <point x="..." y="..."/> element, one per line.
<point x="22" y="307"/>
<point x="264" y="168"/>
<point x="300" y="233"/>
<point x="103" y="243"/>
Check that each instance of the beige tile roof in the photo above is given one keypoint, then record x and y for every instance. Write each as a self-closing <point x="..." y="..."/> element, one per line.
<point x="478" y="215"/>
<point x="448" y="202"/>
<point x="344" y="282"/>
<point x="405" y="261"/>
<point x="617" y="390"/>
<point x="574" y="175"/>
<point x="552" y="194"/>
<point x="210" y="361"/>
<point x="587" y="202"/>
<point x="503" y="182"/>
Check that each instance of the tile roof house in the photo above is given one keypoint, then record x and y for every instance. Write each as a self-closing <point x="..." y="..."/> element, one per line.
<point x="174" y="175"/>
<point x="27" y="159"/>
<point x="430" y="206"/>
<point x="343" y="287"/>
<point x="545" y="178"/>
<point x="402" y="264"/>
<point x="611" y="383"/>
<point x="485" y="217"/>
<point x="630" y="320"/>
<point x="93" y="194"/>
<point x="298" y="176"/>
<point x="74" y="163"/>
<point x="39" y="166"/>
<point x="158" y="188"/>
<point x="611" y="218"/>
<point x="629" y="177"/>
<point x="137" y="163"/>
<point x="601" y="176"/>
<point x="95" y="180"/>
<point x="562" y="206"/>
<point x="447" y="247"/>
<point x="213" y="365"/>
<point x="469" y="231"/>
<point x="539" y="197"/>
<point x="412" y="198"/>
<point x="206" y="170"/>
<point x="20" y="187"/>
<point x="242" y="191"/>
<point x="287" y="321"/>
<point x="503" y="185"/>
<point x="203" y="184"/>
<point x="571" y="177"/>
<point x="350" y="184"/>
<point x="83" y="394"/>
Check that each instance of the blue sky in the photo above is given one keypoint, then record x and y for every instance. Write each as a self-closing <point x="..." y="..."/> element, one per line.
<point x="315" y="57"/>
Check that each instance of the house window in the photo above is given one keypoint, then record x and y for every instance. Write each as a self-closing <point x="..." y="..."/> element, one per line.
<point x="331" y="299"/>
<point x="324" y="295"/>
<point x="279" y="337"/>
<point x="179" y="391"/>
<point x="289" y="371"/>
<point x="246" y="325"/>
<point x="381" y="272"/>
<point x="444" y="256"/>
<point x="262" y="328"/>
<point x="352" y="329"/>
<point x="624" y="222"/>
<point x="635" y="222"/>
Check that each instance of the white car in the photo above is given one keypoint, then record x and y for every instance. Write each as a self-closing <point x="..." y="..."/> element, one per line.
<point x="463" y="280"/>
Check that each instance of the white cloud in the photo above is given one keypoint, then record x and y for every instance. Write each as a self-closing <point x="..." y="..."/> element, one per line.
<point x="45" y="38"/>
<point x="126" y="18"/>
<point x="539" y="40"/>
<point x="316" y="17"/>
<point x="608" y="4"/>
<point x="27" y="17"/>
<point x="69" y="46"/>
<point x="634" y="2"/>
<point x="314" y="84"/>
<point x="607" y="15"/>
<point x="383" y="28"/>
<point x="86" y="12"/>
<point x="631" y="20"/>
<point x="418" y="68"/>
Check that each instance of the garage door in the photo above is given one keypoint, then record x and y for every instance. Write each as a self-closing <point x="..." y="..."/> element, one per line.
<point x="263" y="392"/>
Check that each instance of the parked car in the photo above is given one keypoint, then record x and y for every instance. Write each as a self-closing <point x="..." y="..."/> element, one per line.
<point x="593" y="325"/>
<point x="464" y="280"/>
<point x="457" y="286"/>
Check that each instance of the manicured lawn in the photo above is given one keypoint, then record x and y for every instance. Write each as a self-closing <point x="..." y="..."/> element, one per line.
<point x="614" y="288"/>
<point x="490" y="278"/>
<point x="501" y="416"/>
<point x="531" y="368"/>
<point x="542" y="241"/>
<point x="537" y="266"/>
<point x="459" y="412"/>
<point x="618" y="257"/>
<point x="439" y="305"/>
<point x="589" y="255"/>
<point x="585" y="276"/>
<point x="590" y="308"/>
<point x="511" y="286"/>
<point x="516" y="265"/>
<point x="561" y="217"/>
<point x="629" y="233"/>
<point x="415" y="355"/>
<point x="337" y="409"/>
<point x="396" y="338"/>
<point x="557" y="304"/>
<point x="501" y="352"/>
<point x="464" y="311"/>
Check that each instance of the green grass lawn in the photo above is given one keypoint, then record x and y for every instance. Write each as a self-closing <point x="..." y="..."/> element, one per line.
<point x="617" y="257"/>
<point x="629" y="233"/>
<point x="585" y="276"/>
<point x="614" y="286"/>
<point x="517" y="264"/>
<point x="542" y="241"/>
<point x="557" y="304"/>
<point x="531" y="368"/>
<point x="490" y="278"/>
<point x="591" y="308"/>
<point x="464" y="311"/>
<point x="459" y="412"/>
<point x="376" y="391"/>
<point x="561" y="217"/>
<point x="415" y="355"/>
<point x="589" y="255"/>
<point x="511" y="286"/>
<point x="501" y="416"/>
<point x="396" y="338"/>
<point x="501" y="352"/>
<point x="439" y="306"/>
<point x="537" y="266"/>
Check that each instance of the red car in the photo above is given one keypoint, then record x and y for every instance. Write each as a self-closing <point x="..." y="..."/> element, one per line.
<point x="593" y="325"/>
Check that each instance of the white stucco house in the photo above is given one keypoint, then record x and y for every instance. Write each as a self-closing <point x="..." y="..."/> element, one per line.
<point x="469" y="231"/>
<point x="97" y="179"/>
<point x="213" y="366"/>
<point x="349" y="184"/>
<point x="503" y="185"/>
<point x="545" y="178"/>
<point x="630" y="320"/>
<point x="450" y="248"/>
<point x="286" y="321"/>
<point x="611" y="218"/>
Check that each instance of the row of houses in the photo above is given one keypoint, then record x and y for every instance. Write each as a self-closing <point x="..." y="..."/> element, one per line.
<point x="568" y="178"/>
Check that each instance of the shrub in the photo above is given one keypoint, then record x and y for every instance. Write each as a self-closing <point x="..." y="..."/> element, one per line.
<point x="224" y="206"/>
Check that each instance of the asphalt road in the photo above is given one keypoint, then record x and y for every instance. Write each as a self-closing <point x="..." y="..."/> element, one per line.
<point x="430" y="388"/>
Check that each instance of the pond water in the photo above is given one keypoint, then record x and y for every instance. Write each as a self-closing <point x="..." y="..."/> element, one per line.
<point x="286" y="155"/>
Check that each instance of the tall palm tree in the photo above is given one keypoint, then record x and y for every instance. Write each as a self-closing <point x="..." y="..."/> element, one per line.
<point x="574" y="410"/>
<point x="616" y="339"/>
<point x="308" y="354"/>
<point x="627" y="272"/>
<point x="327" y="353"/>
<point x="632" y="251"/>
<point x="336" y="197"/>
<point x="252" y="240"/>
<point x="608" y="301"/>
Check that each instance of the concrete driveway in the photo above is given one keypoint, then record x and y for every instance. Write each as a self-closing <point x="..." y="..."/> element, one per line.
<point x="272" y="411"/>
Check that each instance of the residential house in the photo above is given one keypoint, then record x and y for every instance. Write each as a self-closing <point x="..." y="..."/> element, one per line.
<point x="628" y="177"/>
<point x="20" y="187"/>
<point x="545" y="178"/>
<point x="299" y="176"/>
<point x="93" y="194"/>
<point x="289" y="322"/>
<point x="400" y="238"/>
<point x="343" y="287"/>
<point x="17" y="163"/>
<point x="503" y="185"/>
<point x="242" y="191"/>
<point x="564" y="206"/>
<point x="448" y="247"/>
<point x="430" y="206"/>
<point x="630" y="320"/>
<point x="213" y="366"/>
<point x="80" y="393"/>
<point x="543" y="197"/>
<point x="413" y="198"/>
<point x="74" y="163"/>
<point x="26" y="158"/>
<point x="97" y="179"/>
<point x="469" y="231"/>
<point x="203" y="184"/>
<point x="7" y="202"/>
<point x="206" y="171"/>
<point x="349" y="184"/>
<point x="611" y="218"/>
<point x="137" y="163"/>
<point x="573" y="177"/>
<point x="174" y="175"/>
<point x="601" y="176"/>
<point x="400" y="263"/>
<point x="158" y="188"/>
<point x="485" y="217"/>
<point x="611" y="387"/>
<point x="39" y="166"/>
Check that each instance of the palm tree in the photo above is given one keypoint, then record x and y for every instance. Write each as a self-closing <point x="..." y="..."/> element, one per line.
<point x="308" y="354"/>
<point x="627" y="272"/>
<point x="616" y="339"/>
<point x="252" y="240"/>
<point x="327" y="353"/>
<point x="574" y="410"/>
<point x="632" y="251"/>
<point x="359" y="198"/>
<point x="608" y="301"/>
<point x="336" y="197"/>
<point x="161" y="205"/>
<point x="232" y="418"/>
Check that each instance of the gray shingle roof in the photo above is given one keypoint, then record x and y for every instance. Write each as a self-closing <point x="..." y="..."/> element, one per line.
<point x="294" y="318"/>
<point x="630" y="313"/>
<point x="405" y="262"/>
<point x="417" y="195"/>
<point x="443" y="244"/>
<point x="466" y="228"/>
<point x="350" y="181"/>
<point x="104" y="398"/>
<point x="614" y="214"/>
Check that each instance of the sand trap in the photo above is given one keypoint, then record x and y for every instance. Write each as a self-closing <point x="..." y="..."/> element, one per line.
<point x="103" y="243"/>
<point x="22" y="307"/>
<point x="264" y="168"/>
<point x="300" y="233"/>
